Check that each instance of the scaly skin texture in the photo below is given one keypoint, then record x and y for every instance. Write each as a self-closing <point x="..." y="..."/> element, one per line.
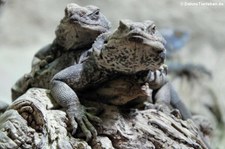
<point x="75" y="34"/>
<point x="134" y="51"/>
<point x="119" y="91"/>
<point x="78" y="29"/>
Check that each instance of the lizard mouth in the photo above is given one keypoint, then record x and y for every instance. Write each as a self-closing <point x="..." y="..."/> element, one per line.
<point x="88" y="24"/>
<point x="142" y="38"/>
<point x="135" y="37"/>
<point x="156" y="45"/>
<point x="83" y="22"/>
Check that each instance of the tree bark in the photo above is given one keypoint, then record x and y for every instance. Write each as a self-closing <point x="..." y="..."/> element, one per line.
<point x="34" y="120"/>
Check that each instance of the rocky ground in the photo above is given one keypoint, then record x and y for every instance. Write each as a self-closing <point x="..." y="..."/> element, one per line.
<point x="27" y="26"/>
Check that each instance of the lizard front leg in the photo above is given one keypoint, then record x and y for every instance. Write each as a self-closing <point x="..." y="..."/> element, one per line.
<point x="165" y="92"/>
<point x="168" y="93"/>
<point x="63" y="89"/>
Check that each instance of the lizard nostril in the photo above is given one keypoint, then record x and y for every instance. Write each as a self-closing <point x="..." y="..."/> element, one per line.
<point x="132" y="28"/>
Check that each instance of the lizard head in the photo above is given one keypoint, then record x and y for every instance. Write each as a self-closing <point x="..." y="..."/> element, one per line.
<point x="80" y="26"/>
<point x="132" y="47"/>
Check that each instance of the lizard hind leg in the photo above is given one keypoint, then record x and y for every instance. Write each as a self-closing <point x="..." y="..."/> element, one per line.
<point x="167" y="95"/>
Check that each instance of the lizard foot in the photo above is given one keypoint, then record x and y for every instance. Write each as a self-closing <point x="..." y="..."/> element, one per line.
<point x="176" y="113"/>
<point x="94" y="110"/>
<point x="157" y="107"/>
<point x="156" y="78"/>
<point x="80" y="117"/>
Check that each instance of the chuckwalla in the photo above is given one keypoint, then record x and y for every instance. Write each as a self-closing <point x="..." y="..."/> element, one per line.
<point x="135" y="50"/>
<point x="76" y="33"/>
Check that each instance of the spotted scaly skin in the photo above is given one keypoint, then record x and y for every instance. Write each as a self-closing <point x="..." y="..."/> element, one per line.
<point x="76" y="33"/>
<point x="134" y="50"/>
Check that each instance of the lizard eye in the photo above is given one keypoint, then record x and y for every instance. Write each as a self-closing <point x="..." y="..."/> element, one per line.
<point x="96" y="12"/>
<point x="94" y="15"/>
<point x="151" y="29"/>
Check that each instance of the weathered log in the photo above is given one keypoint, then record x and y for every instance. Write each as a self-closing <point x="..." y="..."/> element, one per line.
<point x="34" y="120"/>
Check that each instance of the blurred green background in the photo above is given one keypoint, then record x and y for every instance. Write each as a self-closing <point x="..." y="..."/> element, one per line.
<point x="28" y="25"/>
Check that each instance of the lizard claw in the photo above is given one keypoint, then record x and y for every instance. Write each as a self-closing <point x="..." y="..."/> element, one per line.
<point x="156" y="78"/>
<point x="176" y="113"/>
<point x="80" y="117"/>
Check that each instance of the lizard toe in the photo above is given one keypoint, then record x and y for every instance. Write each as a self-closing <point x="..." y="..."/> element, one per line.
<point x="73" y="124"/>
<point x="84" y="129"/>
<point x="93" y="110"/>
<point x="94" y="118"/>
<point x="90" y="127"/>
